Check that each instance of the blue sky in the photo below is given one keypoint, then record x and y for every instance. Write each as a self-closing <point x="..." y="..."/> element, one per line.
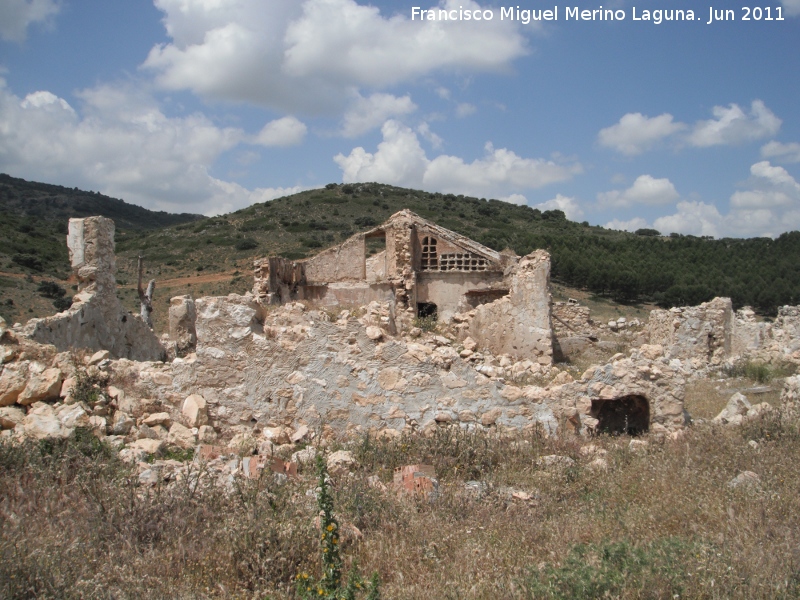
<point x="210" y="105"/>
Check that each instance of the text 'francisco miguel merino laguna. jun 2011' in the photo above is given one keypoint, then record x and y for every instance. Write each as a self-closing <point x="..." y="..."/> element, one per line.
<point x="576" y="13"/>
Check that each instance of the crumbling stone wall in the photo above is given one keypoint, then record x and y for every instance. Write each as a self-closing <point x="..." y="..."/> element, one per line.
<point x="182" y="317"/>
<point x="701" y="332"/>
<point x="96" y="320"/>
<point x="345" y="262"/>
<point x="519" y="324"/>
<point x="646" y="374"/>
<point x="571" y="319"/>
<point x="291" y="366"/>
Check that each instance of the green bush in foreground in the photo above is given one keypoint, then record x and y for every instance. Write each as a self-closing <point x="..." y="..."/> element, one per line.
<point x="609" y="570"/>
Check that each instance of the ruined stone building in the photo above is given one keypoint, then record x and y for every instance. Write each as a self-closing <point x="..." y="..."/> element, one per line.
<point x="422" y="267"/>
<point x="266" y="359"/>
<point x="423" y="270"/>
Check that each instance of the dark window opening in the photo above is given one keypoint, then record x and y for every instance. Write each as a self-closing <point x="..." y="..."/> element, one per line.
<point x="427" y="310"/>
<point x="429" y="259"/>
<point x="626" y="415"/>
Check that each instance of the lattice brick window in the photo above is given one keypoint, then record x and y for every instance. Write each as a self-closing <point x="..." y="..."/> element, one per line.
<point x="462" y="262"/>
<point x="429" y="258"/>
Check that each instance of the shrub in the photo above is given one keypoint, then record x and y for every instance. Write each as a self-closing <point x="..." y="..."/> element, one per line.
<point x="608" y="570"/>
<point x="759" y="371"/>
<point x="246" y="244"/>
<point x="28" y="260"/>
<point x="426" y="323"/>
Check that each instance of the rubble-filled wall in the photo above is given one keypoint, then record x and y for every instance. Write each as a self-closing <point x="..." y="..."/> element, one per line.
<point x="646" y="375"/>
<point x="749" y="334"/>
<point x="519" y="324"/>
<point x="345" y="262"/>
<point x="290" y="366"/>
<point x="96" y="320"/>
<point x="570" y="318"/>
<point x="703" y="332"/>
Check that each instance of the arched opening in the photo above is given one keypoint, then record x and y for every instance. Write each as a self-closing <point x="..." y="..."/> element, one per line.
<point x="625" y="415"/>
<point x="427" y="310"/>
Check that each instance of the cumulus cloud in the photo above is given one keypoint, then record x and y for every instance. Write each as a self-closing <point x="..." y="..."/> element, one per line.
<point x="122" y="144"/>
<point x="343" y="40"/>
<point x="17" y="15"/>
<point x="369" y="113"/>
<point x="569" y="205"/>
<point x="465" y="109"/>
<point x="768" y="205"/>
<point x="287" y="131"/>
<point x="636" y="132"/>
<point x="732" y="125"/>
<point x="630" y="225"/>
<point x="768" y="187"/>
<point x="400" y="160"/>
<point x="645" y="190"/>
<point x="789" y="153"/>
<point x="309" y="56"/>
<point x="692" y="218"/>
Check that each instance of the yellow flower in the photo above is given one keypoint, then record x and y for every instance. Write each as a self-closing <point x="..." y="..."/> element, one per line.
<point x="331" y="527"/>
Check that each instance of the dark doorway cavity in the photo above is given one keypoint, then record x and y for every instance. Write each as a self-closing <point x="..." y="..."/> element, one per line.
<point x="427" y="310"/>
<point x="625" y="415"/>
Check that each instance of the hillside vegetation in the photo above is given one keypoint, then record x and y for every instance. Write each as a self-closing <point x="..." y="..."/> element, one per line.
<point x="646" y="267"/>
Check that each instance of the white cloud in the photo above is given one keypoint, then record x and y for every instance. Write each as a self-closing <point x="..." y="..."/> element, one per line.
<point x="768" y="206"/>
<point x="732" y="125"/>
<point x="692" y="218"/>
<point x="400" y="160"/>
<point x="434" y="140"/>
<point x="631" y="225"/>
<point x="515" y="199"/>
<point x="465" y="109"/>
<point x="636" y="132"/>
<point x="287" y="131"/>
<point x="369" y="113"/>
<point x="309" y="56"/>
<point x="769" y="187"/>
<point x="792" y="7"/>
<point x="645" y="190"/>
<point x="343" y="40"/>
<point x="17" y="15"/>
<point x="569" y="205"/>
<point x="499" y="172"/>
<point x="123" y="145"/>
<point x="46" y="101"/>
<point x="789" y="153"/>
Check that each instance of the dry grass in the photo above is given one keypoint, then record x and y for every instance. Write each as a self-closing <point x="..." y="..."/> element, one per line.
<point x="658" y="524"/>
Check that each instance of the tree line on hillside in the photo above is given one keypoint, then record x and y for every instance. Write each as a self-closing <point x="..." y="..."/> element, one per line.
<point x="678" y="270"/>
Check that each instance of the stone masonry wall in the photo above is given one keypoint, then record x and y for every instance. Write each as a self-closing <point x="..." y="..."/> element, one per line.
<point x="519" y="324"/>
<point x="96" y="320"/>
<point x="291" y="366"/>
<point x="701" y="332"/>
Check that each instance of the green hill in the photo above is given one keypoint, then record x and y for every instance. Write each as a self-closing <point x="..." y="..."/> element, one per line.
<point x="33" y="221"/>
<point x="625" y="267"/>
